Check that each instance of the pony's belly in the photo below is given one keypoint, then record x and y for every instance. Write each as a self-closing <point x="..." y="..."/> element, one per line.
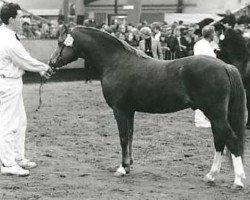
<point x="166" y="107"/>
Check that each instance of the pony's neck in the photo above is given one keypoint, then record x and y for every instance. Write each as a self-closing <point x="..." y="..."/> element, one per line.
<point x="101" y="51"/>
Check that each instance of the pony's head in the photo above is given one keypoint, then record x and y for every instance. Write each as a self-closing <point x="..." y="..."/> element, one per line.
<point x="66" y="51"/>
<point x="233" y="46"/>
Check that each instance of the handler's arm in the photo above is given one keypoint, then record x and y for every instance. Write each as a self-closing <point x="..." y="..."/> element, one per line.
<point x="22" y="59"/>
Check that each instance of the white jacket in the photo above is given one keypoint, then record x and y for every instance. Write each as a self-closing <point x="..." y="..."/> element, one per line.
<point x="14" y="59"/>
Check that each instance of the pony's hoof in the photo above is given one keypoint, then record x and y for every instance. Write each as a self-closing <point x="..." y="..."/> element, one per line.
<point x="209" y="180"/>
<point x="120" y="172"/>
<point x="237" y="187"/>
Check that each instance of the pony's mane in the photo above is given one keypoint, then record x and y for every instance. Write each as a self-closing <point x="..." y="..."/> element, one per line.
<point x="124" y="44"/>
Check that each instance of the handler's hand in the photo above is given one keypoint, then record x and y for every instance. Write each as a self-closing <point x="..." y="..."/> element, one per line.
<point x="46" y="74"/>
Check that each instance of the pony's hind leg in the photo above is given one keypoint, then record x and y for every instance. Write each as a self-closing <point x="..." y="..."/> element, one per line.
<point x="238" y="171"/>
<point x="225" y="136"/>
<point x="219" y="129"/>
<point x="215" y="169"/>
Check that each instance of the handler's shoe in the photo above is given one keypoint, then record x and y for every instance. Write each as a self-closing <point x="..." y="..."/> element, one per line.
<point x="15" y="170"/>
<point x="26" y="164"/>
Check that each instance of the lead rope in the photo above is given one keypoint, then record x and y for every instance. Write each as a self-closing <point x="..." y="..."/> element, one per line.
<point x="42" y="82"/>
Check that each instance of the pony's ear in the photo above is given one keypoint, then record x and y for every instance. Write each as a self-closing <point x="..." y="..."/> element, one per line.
<point x="63" y="31"/>
<point x="66" y="28"/>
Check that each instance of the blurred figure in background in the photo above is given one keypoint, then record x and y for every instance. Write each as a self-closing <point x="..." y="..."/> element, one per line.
<point x="120" y="36"/>
<point x="244" y="19"/>
<point x="26" y="32"/>
<point x="156" y="29"/>
<point x="131" y="39"/>
<point x="149" y="45"/>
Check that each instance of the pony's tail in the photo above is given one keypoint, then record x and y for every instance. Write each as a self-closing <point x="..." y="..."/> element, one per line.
<point x="237" y="108"/>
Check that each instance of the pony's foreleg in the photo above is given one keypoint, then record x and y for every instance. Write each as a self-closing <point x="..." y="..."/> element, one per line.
<point x="238" y="171"/>
<point x="215" y="169"/>
<point x="123" y="127"/>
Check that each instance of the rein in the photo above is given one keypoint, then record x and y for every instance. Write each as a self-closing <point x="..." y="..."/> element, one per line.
<point x="44" y="80"/>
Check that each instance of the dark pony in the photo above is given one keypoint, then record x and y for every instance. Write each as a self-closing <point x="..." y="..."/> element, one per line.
<point x="234" y="49"/>
<point x="132" y="81"/>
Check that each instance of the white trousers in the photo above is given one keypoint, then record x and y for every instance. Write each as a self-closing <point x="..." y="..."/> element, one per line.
<point x="13" y="121"/>
<point x="200" y="119"/>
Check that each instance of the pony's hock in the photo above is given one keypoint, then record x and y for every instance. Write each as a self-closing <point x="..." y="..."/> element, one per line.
<point x="132" y="81"/>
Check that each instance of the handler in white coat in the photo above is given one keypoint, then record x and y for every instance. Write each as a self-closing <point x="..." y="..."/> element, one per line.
<point x="14" y="60"/>
<point x="204" y="47"/>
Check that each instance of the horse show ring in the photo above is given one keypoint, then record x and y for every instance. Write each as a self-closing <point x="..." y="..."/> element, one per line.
<point x="74" y="139"/>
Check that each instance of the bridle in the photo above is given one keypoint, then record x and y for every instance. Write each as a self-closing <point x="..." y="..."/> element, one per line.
<point x="57" y="60"/>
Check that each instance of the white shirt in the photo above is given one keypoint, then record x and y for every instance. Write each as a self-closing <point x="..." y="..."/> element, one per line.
<point x="14" y="59"/>
<point x="204" y="47"/>
<point x="157" y="36"/>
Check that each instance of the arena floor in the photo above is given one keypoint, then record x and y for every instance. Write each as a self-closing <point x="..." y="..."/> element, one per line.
<point x="74" y="140"/>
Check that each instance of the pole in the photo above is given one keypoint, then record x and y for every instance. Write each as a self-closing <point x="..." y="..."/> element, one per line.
<point x="116" y="6"/>
<point x="80" y="12"/>
<point x="134" y="14"/>
<point x="66" y="11"/>
<point x="180" y="6"/>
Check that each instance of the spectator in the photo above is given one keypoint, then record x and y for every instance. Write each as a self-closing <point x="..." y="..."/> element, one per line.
<point x="244" y="19"/>
<point x="131" y="39"/>
<point x="122" y="28"/>
<point x="90" y="23"/>
<point x="120" y="36"/>
<point x="26" y="32"/>
<point x="156" y="31"/>
<point x="172" y="43"/>
<point x="137" y="34"/>
<point x="182" y="42"/>
<point x="36" y="31"/>
<point x="191" y="38"/>
<point x="149" y="45"/>
<point x="45" y="33"/>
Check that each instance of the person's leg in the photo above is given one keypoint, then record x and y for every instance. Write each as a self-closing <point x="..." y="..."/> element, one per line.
<point x="9" y="113"/>
<point x="10" y="94"/>
<point x="20" y="135"/>
<point x="201" y="120"/>
<point x="19" y="140"/>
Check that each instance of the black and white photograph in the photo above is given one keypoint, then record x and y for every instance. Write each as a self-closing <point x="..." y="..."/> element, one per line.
<point x="124" y="99"/>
